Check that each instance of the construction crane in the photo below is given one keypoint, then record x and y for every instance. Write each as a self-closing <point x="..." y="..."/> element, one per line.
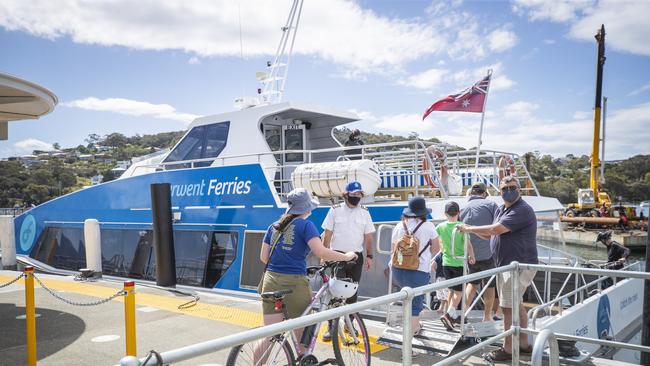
<point x="590" y="199"/>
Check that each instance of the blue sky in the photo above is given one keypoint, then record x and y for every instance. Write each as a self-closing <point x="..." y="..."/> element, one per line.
<point x="148" y="66"/>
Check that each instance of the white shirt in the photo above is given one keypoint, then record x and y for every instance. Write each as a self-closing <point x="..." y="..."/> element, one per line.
<point x="426" y="232"/>
<point x="348" y="227"/>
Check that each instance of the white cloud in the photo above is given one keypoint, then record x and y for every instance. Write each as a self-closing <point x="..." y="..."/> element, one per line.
<point x="549" y="41"/>
<point x="403" y="123"/>
<point x="426" y="80"/>
<point x="131" y="108"/>
<point x="336" y="30"/>
<point x="501" y="40"/>
<point x="581" y="115"/>
<point x="357" y="39"/>
<point x="553" y="10"/>
<point x="467" y="77"/>
<point x="31" y="144"/>
<point x="194" y="60"/>
<point x="640" y="90"/>
<point x="626" y="22"/>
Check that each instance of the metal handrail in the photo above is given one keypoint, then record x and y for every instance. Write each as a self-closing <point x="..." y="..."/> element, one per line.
<point x="406" y="295"/>
<point x="538" y="349"/>
<point x="600" y="342"/>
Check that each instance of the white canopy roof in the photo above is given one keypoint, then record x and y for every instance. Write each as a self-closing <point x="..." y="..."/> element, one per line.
<point x="21" y="99"/>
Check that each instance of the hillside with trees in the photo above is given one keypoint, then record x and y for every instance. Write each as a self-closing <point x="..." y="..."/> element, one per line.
<point x="45" y="175"/>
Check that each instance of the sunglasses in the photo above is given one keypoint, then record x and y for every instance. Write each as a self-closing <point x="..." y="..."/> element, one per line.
<point x="509" y="188"/>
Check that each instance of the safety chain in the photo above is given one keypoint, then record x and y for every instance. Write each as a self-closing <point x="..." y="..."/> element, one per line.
<point x="12" y="281"/>
<point x="92" y="303"/>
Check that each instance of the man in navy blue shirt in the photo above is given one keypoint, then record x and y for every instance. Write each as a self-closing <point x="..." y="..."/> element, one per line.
<point x="512" y="238"/>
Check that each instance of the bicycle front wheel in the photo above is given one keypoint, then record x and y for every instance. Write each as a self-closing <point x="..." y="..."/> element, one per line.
<point x="271" y="352"/>
<point x="351" y="346"/>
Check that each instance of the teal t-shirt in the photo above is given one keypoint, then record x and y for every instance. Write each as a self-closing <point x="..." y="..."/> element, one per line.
<point x="445" y="230"/>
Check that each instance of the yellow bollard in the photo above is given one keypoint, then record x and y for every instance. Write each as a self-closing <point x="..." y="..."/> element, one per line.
<point x="129" y="318"/>
<point x="30" y="316"/>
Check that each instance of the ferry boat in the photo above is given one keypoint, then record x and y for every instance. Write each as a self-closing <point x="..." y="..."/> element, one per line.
<point x="229" y="176"/>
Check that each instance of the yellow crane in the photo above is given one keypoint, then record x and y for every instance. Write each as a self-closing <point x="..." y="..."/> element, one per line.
<point x="592" y="198"/>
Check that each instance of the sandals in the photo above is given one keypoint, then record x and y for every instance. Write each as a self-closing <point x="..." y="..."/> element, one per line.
<point x="501" y="354"/>
<point x="498" y="355"/>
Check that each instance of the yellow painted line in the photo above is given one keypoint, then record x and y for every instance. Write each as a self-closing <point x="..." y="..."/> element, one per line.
<point x="226" y="314"/>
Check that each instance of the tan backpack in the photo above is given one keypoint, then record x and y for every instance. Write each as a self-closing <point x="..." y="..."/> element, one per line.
<point x="407" y="250"/>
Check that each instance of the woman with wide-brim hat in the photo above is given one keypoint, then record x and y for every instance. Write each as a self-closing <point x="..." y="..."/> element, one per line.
<point x="414" y="221"/>
<point x="284" y="250"/>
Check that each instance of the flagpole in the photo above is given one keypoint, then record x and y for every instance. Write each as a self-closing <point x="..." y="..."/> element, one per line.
<point x="480" y="133"/>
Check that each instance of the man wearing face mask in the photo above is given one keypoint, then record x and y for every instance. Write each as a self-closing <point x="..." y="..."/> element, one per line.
<point x="512" y="238"/>
<point x="349" y="228"/>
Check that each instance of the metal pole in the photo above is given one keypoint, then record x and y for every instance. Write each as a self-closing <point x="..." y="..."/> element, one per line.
<point x="407" y="331"/>
<point x="129" y="318"/>
<point x="480" y="131"/>
<point x="602" y="160"/>
<point x="516" y="301"/>
<point x="645" y="336"/>
<point x="30" y="315"/>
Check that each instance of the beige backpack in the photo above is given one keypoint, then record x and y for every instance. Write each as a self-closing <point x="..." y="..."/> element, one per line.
<point x="407" y="249"/>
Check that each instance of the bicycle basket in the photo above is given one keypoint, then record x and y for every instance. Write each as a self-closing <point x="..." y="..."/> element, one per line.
<point x="341" y="289"/>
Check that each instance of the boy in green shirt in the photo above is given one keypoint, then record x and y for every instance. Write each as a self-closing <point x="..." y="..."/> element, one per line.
<point x="452" y="263"/>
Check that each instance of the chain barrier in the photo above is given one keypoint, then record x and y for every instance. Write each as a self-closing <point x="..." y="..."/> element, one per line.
<point x="70" y="302"/>
<point x="12" y="281"/>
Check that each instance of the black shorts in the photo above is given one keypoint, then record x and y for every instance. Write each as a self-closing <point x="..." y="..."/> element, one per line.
<point x="481" y="266"/>
<point x="453" y="272"/>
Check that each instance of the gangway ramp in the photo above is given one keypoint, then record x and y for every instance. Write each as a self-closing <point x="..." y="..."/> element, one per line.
<point x="435" y="339"/>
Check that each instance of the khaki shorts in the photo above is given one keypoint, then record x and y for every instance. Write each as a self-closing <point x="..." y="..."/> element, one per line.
<point x="504" y="286"/>
<point x="296" y="302"/>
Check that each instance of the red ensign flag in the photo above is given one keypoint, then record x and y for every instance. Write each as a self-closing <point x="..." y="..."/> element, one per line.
<point x="469" y="100"/>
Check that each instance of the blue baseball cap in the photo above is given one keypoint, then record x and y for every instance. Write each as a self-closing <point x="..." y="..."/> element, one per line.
<point x="299" y="201"/>
<point x="353" y="187"/>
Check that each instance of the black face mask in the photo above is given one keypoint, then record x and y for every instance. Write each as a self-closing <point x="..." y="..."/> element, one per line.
<point x="353" y="200"/>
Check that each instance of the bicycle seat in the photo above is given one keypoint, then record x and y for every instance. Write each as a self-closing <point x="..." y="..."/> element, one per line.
<point x="275" y="294"/>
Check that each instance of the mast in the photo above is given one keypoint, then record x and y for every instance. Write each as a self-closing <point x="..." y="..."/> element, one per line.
<point x="275" y="80"/>
<point x="602" y="165"/>
<point x="595" y="156"/>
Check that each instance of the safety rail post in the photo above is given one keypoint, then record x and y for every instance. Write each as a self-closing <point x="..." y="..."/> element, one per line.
<point x="129" y="318"/>
<point x="538" y="349"/>
<point x="30" y="315"/>
<point x="407" y="326"/>
<point x="516" y="301"/>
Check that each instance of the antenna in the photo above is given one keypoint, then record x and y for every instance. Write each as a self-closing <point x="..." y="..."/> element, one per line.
<point x="274" y="82"/>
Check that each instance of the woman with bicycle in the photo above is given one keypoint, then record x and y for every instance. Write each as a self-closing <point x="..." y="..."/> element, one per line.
<point x="284" y="251"/>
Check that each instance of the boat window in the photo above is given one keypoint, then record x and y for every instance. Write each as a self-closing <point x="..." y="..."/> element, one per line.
<point x="202" y="257"/>
<point x="61" y="248"/>
<point x="202" y="142"/>
<point x="223" y="251"/>
<point x="126" y="253"/>
<point x="294" y="140"/>
<point x="251" y="271"/>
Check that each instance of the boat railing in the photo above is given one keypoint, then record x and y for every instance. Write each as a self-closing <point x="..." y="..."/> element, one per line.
<point x="406" y="296"/>
<point x="408" y="159"/>
<point x="545" y="336"/>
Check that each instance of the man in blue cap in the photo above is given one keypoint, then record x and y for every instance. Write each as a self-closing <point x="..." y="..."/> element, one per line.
<point x="349" y="228"/>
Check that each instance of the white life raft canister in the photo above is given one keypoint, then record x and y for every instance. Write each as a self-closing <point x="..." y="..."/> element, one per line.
<point x="330" y="179"/>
